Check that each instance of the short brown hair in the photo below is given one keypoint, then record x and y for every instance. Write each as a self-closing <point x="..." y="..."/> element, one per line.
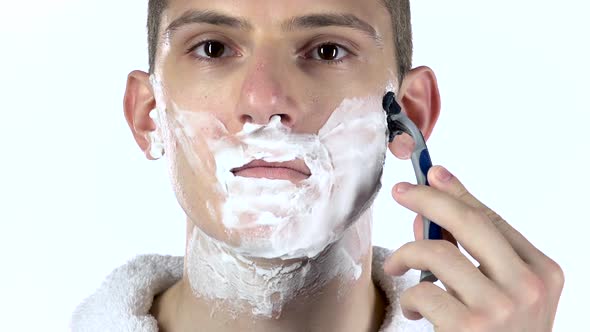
<point x="400" y="18"/>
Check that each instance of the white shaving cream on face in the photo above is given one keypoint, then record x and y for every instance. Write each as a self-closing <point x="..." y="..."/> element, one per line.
<point x="279" y="218"/>
<point x="237" y="284"/>
<point x="264" y="219"/>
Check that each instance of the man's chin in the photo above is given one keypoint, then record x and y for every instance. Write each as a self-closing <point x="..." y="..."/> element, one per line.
<point x="294" y="240"/>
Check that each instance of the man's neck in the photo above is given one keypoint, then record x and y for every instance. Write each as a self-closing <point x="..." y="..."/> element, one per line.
<point x="333" y="292"/>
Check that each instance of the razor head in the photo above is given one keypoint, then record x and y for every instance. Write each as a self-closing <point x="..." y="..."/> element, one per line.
<point x="393" y="110"/>
<point x="390" y="105"/>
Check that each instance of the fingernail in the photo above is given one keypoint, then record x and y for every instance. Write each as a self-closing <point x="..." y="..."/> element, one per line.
<point x="403" y="187"/>
<point x="444" y="175"/>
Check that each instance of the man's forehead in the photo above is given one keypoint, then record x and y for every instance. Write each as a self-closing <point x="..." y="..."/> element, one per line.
<point x="266" y="13"/>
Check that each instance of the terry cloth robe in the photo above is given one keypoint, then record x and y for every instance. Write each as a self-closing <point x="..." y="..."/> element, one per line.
<point x="123" y="301"/>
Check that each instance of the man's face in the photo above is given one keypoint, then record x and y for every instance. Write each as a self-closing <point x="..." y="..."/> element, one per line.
<point x="239" y="62"/>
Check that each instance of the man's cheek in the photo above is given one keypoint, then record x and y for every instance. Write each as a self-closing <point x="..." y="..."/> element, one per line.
<point x="192" y="164"/>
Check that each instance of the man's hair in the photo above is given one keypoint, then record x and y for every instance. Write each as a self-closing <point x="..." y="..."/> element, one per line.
<point x="400" y="18"/>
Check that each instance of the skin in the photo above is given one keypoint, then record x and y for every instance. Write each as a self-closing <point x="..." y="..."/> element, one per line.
<point x="269" y="71"/>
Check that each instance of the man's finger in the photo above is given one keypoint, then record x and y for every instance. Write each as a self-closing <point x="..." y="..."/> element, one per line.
<point x="537" y="260"/>
<point x="471" y="286"/>
<point x="419" y="231"/>
<point x="437" y="306"/>
<point x="470" y="227"/>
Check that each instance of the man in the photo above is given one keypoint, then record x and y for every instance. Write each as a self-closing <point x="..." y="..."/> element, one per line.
<point x="250" y="100"/>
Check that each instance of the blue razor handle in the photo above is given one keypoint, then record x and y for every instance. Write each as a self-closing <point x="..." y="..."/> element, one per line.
<point x="399" y="123"/>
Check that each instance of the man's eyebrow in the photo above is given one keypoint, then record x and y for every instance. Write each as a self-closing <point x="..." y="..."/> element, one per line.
<point x="331" y="19"/>
<point x="207" y="17"/>
<point x="301" y="22"/>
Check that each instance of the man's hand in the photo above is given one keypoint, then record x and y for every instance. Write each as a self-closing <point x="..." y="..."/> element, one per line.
<point x="515" y="288"/>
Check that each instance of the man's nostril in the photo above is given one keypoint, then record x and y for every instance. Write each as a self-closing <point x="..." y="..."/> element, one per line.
<point x="286" y="119"/>
<point x="245" y="118"/>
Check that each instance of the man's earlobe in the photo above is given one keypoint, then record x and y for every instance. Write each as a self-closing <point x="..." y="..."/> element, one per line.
<point x="138" y="102"/>
<point x="420" y="99"/>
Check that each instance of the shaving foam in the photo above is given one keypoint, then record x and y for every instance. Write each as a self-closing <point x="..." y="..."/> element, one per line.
<point x="236" y="284"/>
<point x="279" y="218"/>
<point x="319" y="228"/>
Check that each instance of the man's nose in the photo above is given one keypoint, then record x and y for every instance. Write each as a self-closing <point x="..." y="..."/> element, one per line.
<point x="265" y="94"/>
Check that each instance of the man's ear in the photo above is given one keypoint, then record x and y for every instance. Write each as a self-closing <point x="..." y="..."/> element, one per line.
<point x="138" y="102"/>
<point x="420" y="100"/>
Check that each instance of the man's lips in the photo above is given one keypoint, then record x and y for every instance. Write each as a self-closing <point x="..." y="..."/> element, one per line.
<point x="294" y="170"/>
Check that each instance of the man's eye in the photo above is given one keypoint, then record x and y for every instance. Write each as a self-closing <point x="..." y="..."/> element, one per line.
<point x="212" y="49"/>
<point x="329" y="52"/>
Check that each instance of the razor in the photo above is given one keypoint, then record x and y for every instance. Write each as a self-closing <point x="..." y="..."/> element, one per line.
<point x="399" y="123"/>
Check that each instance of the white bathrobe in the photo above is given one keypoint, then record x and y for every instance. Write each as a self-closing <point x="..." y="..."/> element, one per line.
<point x="123" y="301"/>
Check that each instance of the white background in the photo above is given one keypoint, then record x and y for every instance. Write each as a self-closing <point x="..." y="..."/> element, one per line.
<point x="77" y="198"/>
